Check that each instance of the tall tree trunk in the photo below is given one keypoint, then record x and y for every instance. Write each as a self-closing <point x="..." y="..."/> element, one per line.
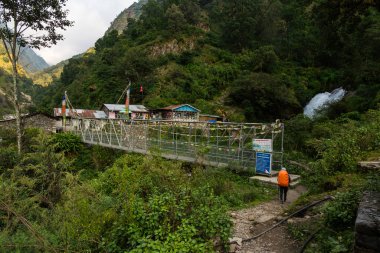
<point x="17" y="107"/>
<point x="15" y="53"/>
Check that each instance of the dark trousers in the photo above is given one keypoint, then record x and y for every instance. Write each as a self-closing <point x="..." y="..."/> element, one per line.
<point x="283" y="191"/>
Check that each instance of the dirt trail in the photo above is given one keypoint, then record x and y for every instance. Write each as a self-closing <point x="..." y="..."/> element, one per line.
<point x="252" y="221"/>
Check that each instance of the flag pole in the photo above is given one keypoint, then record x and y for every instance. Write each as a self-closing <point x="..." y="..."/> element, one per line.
<point x="64" y="111"/>
<point x="142" y="93"/>
<point x="127" y="100"/>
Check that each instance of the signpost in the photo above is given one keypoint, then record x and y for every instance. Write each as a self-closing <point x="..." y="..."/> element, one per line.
<point x="263" y="163"/>
<point x="264" y="149"/>
<point x="262" y="145"/>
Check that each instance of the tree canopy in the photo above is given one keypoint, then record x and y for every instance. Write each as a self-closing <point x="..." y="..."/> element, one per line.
<point x="29" y="23"/>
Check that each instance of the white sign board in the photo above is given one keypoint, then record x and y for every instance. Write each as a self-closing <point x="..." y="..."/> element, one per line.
<point x="262" y="145"/>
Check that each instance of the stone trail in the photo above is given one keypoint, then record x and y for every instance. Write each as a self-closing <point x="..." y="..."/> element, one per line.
<point x="252" y="221"/>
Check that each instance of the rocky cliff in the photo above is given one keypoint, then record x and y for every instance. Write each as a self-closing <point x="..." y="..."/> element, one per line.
<point x="121" y="21"/>
<point x="32" y="62"/>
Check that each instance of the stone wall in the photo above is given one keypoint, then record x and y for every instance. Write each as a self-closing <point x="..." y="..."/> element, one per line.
<point x="38" y="120"/>
<point x="367" y="225"/>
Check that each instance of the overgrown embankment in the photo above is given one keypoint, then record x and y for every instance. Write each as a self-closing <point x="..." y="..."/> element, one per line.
<point x="329" y="152"/>
<point x="63" y="196"/>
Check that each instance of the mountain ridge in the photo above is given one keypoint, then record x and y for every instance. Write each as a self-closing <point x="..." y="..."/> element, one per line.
<point x="120" y="23"/>
<point x="31" y="61"/>
<point x="46" y="76"/>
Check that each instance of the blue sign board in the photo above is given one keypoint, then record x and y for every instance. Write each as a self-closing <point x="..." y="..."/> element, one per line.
<point x="263" y="163"/>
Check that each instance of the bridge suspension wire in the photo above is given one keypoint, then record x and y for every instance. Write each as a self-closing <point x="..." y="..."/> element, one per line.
<point x="124" y="92"/>
<point x="215" y="144"/>
<point x="71" y="107"/>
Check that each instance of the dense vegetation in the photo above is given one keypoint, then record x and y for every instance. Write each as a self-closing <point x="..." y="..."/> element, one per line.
<point x="27" y="87"/>
<point x="252" y="60"/>
<point x="249" y="60"/>
<point x="62" y="196"/>
<point x="331" y="150"/>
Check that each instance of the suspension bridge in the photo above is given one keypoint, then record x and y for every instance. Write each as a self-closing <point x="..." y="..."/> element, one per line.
<point x="215" y="144"/>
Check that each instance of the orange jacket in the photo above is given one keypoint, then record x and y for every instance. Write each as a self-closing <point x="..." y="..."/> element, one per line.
<point x="283" y="178"/>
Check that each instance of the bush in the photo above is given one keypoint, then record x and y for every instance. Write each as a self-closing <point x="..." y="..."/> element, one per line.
<point x="333" y="242"/>
<point x="337" y="223"/>
<point x="143" y="205"/>
<point x="94" y="158"/>
<point x="67" y="143"/>
<point x="341" y="212"/>
<point x="7" y="136"/>
<point x="337" y="146"/>
<point x="8" y="158"/>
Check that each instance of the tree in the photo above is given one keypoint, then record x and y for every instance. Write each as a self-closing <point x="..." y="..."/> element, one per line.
<point x="176" y="19"/>
<point x="238" y="20"/>
<point x="29" y="23"/>
<point x="152" y="16"/>
<point x="264" y="97"/>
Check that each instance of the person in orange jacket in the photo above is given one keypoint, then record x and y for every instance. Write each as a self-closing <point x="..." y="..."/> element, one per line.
<point x="283" y="181"/>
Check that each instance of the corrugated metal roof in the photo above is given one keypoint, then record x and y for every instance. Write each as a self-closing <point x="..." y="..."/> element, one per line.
<point x="171" y="107"/>
<point x="115" y="107"/>
<point x="132" y="108"/>
<point x="209" y="115"/>
<point x="138" y="108"/>
<point x="176" y="107"/>
<point x="82" y="113"/>
<point x="100" y="115"/>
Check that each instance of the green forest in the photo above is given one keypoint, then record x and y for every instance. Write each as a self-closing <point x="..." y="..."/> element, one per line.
<point x="253" y="60"/>
<point x="248" y="60"/>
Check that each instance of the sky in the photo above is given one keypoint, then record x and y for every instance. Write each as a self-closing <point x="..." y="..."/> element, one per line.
<point x="91" y="20"/>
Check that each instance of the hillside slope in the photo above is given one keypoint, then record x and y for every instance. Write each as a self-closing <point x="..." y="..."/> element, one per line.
<point x="32" y="62"/>
<point x="49" y="75"/>
<point x="249" y="60"/>
<point x="121" y="21"/>
<point x="29" y="63"/>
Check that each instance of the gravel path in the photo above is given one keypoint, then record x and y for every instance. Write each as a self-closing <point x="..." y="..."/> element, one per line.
<point x="252" y="221"/>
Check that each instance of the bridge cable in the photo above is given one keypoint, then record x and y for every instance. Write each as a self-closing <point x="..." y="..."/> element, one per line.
<point x="71" y="107"/>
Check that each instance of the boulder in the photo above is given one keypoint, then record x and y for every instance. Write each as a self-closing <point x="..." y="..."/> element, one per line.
<point x="369" y="165"/>
<point x="367" y="224"/>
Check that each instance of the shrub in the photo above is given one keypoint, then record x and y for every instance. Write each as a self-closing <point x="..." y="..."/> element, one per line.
<point x="339" y="145"/>
<point x="67" y="143"/>
<point x="341" y="212"/>
<point x="7" y="136"/>
<point x="333" y="242"/>
<point x="8" y="157"/>
<point x="143" y="205"/>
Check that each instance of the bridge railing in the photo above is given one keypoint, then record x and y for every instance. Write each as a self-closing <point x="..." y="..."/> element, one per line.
<point x="218" y="144"/>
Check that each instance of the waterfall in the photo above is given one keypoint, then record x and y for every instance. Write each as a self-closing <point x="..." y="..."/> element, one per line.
<point x="322" y="100"/>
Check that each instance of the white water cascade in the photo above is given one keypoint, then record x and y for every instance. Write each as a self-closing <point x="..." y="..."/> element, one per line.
<point x="322" y="100"/>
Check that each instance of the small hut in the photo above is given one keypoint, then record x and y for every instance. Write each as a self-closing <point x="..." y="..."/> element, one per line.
<point x="73" y="116"/>
<point x="183" y="112"/>
<point x="117" y="111"/>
